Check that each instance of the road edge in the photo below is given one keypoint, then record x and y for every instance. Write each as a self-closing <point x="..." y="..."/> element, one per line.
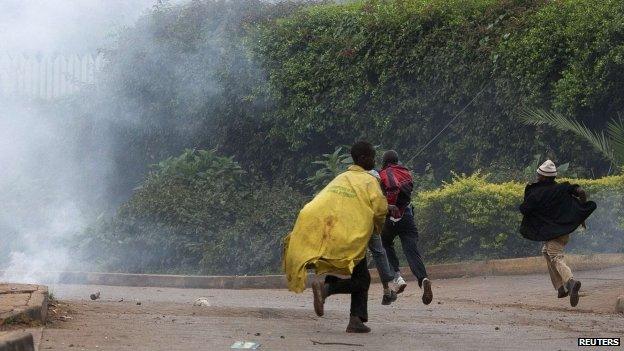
<point x="513" y="266"/>
<point x="36" y="309"/>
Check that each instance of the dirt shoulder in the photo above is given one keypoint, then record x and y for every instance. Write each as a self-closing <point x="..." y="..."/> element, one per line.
<point x="22" y="304"/>
<point x="481" y="313"/>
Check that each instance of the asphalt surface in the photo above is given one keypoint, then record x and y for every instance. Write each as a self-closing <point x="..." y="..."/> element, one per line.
<point x="485" y="313"/>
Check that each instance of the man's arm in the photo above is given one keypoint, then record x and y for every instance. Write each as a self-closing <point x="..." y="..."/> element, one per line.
<point x="394" y="211"/>
<point x="581" y="194"/>
<point x="379" y="205"/>
<point x="528" y="205"/>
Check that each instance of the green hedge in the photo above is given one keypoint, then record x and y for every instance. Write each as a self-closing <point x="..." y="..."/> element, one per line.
<point x="197" y="213"/>
<point x="275" y="85"/>
<point x="470" y="218"/>
<point x="396" y="71"/>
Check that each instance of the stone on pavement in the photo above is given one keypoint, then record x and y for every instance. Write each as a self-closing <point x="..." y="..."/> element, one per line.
<point x="202" y="301"/>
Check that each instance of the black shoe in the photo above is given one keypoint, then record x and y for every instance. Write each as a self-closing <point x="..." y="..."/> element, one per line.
<point x="357" y="326"/>
<point x="562" y="292"/>
<point x="389" y="298"/>
<point x="573" y="287"/>
<point x="427" y="293"/>
<point x="319" y="298"/>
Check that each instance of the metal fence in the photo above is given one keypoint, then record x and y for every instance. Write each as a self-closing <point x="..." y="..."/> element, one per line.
<point x="46" y="76"/>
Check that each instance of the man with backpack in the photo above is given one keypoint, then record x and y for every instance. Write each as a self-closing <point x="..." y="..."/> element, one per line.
<point x="397" y="185"/>
<point x="551" y="212"/>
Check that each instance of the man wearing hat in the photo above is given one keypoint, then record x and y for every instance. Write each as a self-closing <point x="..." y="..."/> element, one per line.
<point x="551" y="212"/>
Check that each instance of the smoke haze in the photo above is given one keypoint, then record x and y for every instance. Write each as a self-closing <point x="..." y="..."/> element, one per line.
<point x="53" y="167"/>
<point x="64" y="25"/>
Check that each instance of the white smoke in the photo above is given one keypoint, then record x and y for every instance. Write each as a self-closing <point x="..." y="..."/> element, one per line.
<point x="64" y="25"/>
<point x="45" y="181"/>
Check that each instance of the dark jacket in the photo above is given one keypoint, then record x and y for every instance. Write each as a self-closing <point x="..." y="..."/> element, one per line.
<point x="551" y="210"/>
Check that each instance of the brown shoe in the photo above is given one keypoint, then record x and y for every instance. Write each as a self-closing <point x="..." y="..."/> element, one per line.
<point x="427" y="293"/>
<point x="357" y="326"/>
<point x="573" y="287"/>
<point x="319" y="298"/>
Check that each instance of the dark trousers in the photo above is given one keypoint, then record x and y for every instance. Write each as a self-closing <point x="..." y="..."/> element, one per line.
<point x="406" y="230"/>
<point x="357" y="286"/>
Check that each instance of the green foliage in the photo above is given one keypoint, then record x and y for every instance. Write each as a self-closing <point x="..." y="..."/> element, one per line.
<point x="616" y="136"/>
<point x="198" y="165"/>
<point x="531" y="169"/>
<point x="396" y="71"/>
<point x="391" y="71"/>
<point x="275" y="85"/>
<point x="599" y="141"/>
<point x="182" y="77"/>
<point x="196" y="213"/>
<point x="338" y="162"/>
<point x="470" y="218"/>
<point x="569" y="56"/>
<point x="331" y="165"/>
<point x="199" y="213"/>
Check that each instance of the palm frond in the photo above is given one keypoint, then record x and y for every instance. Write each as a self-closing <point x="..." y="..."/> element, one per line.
<point x="538" y="117"/>
<point x="615" y="129"/>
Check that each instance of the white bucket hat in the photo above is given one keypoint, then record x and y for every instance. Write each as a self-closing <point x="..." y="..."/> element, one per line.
<point x="547" y="169"/>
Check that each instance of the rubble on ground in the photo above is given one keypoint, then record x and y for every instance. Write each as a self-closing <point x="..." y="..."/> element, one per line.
<point x="95" y="296"/>
<point x="202" y="301"/>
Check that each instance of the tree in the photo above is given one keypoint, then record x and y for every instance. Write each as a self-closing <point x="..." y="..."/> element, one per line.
<point x="609" y="142"/>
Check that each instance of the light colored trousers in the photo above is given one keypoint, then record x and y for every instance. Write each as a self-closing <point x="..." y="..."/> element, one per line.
<point x="552" y="250"/>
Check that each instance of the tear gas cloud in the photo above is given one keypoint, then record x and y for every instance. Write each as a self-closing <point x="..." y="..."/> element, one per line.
<point x="50" y="179"/>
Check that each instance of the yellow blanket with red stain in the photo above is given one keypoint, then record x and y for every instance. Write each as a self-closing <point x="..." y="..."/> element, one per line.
<point x="332" y="231"/>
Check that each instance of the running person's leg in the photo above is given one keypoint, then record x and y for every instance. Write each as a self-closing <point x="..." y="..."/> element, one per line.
<point x="555" y="278"/>
<point x="553" y="251"/>
<point x="386" y="275"/>
<point x="409" y="238"/>
<point x="357" y="285"/>
<point x="389" y="232"/>
<point x="360" y="283"/>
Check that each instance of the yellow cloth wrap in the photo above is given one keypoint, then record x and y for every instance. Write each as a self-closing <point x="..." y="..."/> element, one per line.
<point x="332" y="231"/>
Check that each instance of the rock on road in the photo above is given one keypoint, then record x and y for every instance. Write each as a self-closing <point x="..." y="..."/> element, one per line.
<point x="483" y="313"/>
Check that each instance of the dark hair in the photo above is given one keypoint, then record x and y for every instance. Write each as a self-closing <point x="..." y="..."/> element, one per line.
<point x="390" y="156"/>
<point x="362" y="149"/>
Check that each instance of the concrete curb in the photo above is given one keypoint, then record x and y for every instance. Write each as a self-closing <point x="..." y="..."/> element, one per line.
<point x="36" y="308"/>
<point x="521" y="266"/>
<point x="514" y="266"/>
<point x="17" y="342"/>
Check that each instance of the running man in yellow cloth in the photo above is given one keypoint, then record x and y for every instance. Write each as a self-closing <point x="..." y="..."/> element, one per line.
<point x="331" y="235"/>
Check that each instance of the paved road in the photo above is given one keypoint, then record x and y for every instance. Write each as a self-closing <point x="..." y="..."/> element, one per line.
<point x="493" y="313"/>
